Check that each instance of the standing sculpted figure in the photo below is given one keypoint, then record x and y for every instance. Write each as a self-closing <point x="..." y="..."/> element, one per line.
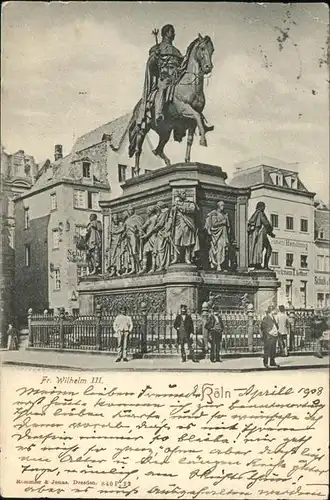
<point x="259" y="228"/>
<point x="115" y="264"/>
<point x="133" y="226"/>
<point x="184" y="228"/>
<point x="148" y="239"/>
<point x="218" y="228"/>
<point x="163" y="242"/>
<point x="93" y="240"/>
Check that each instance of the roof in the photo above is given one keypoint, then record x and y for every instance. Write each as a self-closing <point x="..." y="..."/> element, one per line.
<point x="55" y="171"/>
<point x="261" y="174"/>
<point x="113" y="131"/>
<point x="322" y="221"/>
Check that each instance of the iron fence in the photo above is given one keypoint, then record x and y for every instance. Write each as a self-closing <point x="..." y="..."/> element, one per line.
<point x="154" y="333"/>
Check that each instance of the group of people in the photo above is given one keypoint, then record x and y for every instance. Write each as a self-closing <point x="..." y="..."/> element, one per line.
<point x="276" y="328"/>
<point x="209" y="327"/>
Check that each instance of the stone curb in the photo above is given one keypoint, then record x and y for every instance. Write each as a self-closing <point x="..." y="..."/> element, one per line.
<point x="153" y="369"/>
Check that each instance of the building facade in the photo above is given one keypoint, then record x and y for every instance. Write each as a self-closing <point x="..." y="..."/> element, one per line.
<point x="290" y="208"/>
<point x="18" y="174"/>
<point x="52" y="216"/>
<point x="322" y="256"/>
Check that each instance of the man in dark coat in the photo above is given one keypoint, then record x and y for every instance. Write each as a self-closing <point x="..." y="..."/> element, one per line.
<point x="269" y="330"/>
<point x="319" y="326"/>
<point x="184" y="326"/>
<point x="216" y="328"/>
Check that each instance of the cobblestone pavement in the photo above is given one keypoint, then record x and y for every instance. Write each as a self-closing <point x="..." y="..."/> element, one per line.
<point x="104" y="362"/>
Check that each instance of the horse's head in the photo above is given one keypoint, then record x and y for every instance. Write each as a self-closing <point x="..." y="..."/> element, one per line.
<point x="204" y="52"/>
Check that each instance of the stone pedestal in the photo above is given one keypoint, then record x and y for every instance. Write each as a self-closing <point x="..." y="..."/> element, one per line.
<point x="165" y="290"/>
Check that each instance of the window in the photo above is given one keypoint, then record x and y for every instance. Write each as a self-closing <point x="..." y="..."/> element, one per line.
<point x="304" y="225"/>
<point x="327" y="263"/>
<point x="320" y="262"/>
<point x="80" y="231"/>
<point x="122" y="173"/>
<point x="82" y="271"/>
<point x="79" y="198"/>
<point x="321" y="234"/>
<point x="274" y="259"/>
<point x="320" y="300"/>
<point x="289" y="223"/>
<point x="289" y="260"/>
<point x="134" y="172"/>
<point x="327" y="300"/>
<point x="27" y="255"/>
<point x="57" y="279"/>
<point x="303" y="293"/>
<point x="274" y="220"/>
<point x="55" y="238"/>
<point x="288" y="290"/>
<point x="53" y="201"/>
<point x="86" y="168"/>
<point x="92" y="200"/>
<point x="26" y="218"/>
<point x="277" y="178"/>
<point x="303" y="261"/>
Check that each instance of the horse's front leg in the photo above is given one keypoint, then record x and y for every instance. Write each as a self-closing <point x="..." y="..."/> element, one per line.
<point x="189" y="112"/>
<point x="190" y="140"/>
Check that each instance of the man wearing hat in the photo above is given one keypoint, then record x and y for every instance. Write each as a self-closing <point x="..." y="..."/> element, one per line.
<point x="269" y="330"/>
<point x="184" y="326"/>
<point x="216" y="328"/>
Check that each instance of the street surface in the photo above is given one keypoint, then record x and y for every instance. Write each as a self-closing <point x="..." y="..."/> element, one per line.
<point x="106" y="362"/>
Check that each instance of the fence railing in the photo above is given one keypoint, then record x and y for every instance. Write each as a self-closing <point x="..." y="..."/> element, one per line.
<point x="154" y="333"/>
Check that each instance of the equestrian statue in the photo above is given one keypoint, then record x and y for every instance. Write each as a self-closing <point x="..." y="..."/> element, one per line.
<point x="173" y="95"/>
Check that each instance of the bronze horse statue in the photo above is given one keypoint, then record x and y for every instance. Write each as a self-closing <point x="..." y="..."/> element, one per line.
<point x="183" y="112"/>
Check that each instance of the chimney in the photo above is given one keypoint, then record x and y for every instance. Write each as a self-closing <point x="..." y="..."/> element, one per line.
<point x="58" y="154"/>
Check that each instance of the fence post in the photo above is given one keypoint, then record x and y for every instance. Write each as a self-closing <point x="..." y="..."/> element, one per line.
<point x="98" y="326"/>
<point x="250" y="330"/>
<point x="30" y="337"/>
<point x="61" y="320"/>
<point x="144" y="328"/>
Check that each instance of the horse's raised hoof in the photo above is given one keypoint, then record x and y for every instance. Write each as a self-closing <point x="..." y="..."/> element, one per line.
<point x="209" y="128"/>
<point x="203" y="141"/>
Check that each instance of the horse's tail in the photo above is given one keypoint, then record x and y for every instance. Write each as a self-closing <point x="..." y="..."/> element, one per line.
<point x="133" y="130"/>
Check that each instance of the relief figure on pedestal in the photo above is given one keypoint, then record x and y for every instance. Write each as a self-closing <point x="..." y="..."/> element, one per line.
<point x="133" y="230"/>
<point x="148" y="236"/>
<point x="259" y="228"/>
<point x="184" y="229"/>
<point x="93" y="240"/>
<point x="115" y="264"/>
<point x="163" y="241"/>
<point x="218" y="228"/>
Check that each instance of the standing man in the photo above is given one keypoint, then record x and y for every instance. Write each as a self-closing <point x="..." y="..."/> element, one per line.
<point x="122" y="326"/>
<point x="216" y="327"/>
<point x="319" y="326"/>
<point x="283" y="323"/>
<point x="184" y="326"/>
<point x="12" y="338"/>
<point x="269" y="332"/>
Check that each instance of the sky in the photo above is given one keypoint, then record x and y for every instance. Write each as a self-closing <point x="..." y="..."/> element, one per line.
<point x="68" y="67"/>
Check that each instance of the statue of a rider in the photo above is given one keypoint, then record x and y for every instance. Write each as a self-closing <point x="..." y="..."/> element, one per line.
<point x="165" y="59"/>
<point x="161" y="74"/>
